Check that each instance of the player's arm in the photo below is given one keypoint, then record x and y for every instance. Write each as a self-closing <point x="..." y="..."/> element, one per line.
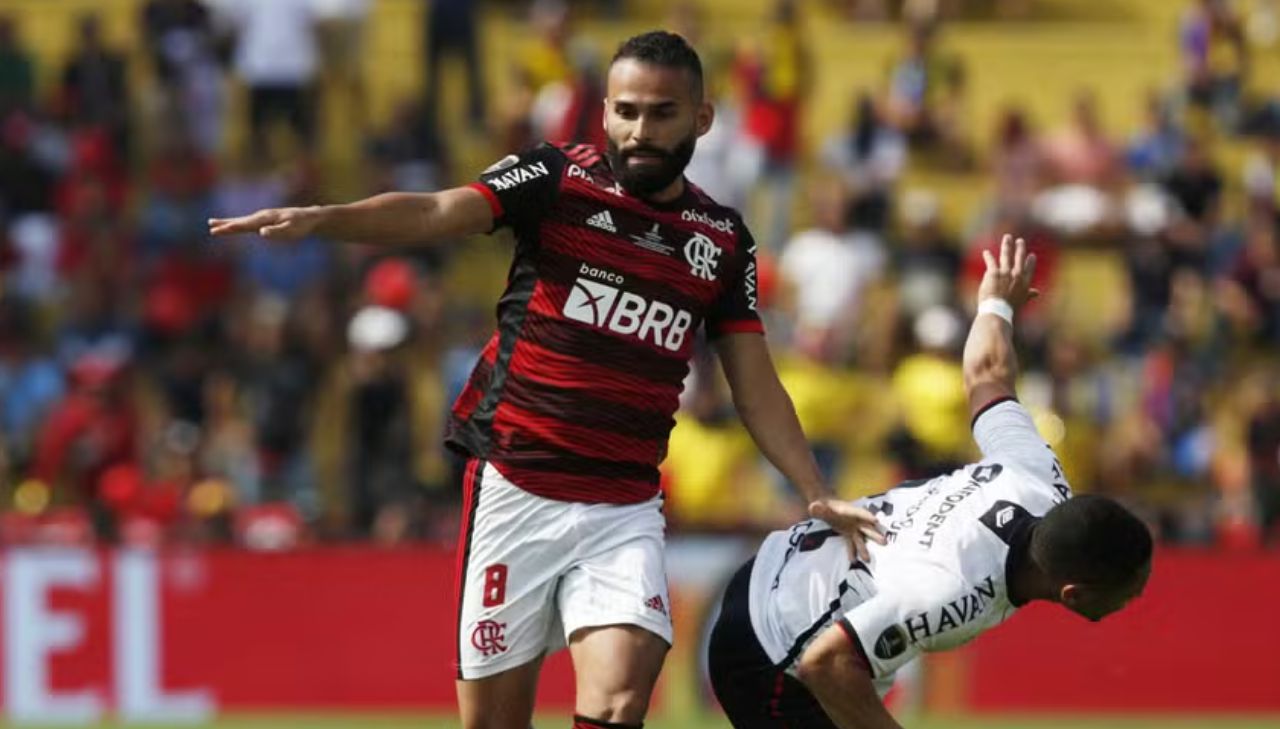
<point x="516" y="191"/>
<point x="767" y="411"/>
<point x="770" y="417"/>
<point x="393" y="218"/>
<point x="990" y="363"/>
<point x="836" y="673"/>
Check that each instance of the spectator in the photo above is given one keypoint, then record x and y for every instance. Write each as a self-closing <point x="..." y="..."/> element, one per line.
<point x="95" y="85"/>
<point x="342" y="29"/>
<point x="581" y="115"/>
<point x="1017" y="162"/>
<point x="30" y="379"/>
<point x="287" y="271"/>
<point x="280" y="386"/>
<point x="181" y="183"/>
<point x="380" y="459"/>
<point x="17" y="71"/>
<point x="869" y="158"/>
<point x="545" y="59"/>
<point x="409" y="154"/>
<point x="1251" y="291"/>
<point x="927" y="260"/>
<point x="93" y="428"/>
<point x="921" y="85"/>
<point x="26" y="181"/>
<point x="277" y="58"/>
<point x="1215" y="59"/>
<point x="826" y="270"/>
<point x="1196" y="186"/>
<point x="227" y="450"/>
<point x="1081" y="153"/>
<point x="774" y="79"/>
<point x="185" y="51"/>
<point x="929" y="390"/>
<point x="1264" y="463"/>
<point x="1262" y="172"/>
<point x="452" y="30"/>
<point x="1156" y="148"/>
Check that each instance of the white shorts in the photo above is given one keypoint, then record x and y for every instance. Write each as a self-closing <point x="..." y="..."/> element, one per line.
<point x="532" y="571"/>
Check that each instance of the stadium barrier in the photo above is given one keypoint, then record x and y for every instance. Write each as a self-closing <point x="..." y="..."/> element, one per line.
<point x="178" y="636"/>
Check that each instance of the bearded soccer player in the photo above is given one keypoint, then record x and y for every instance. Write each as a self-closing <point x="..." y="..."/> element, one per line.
<point x="619" y="260"/>
<point x="807" y="638"/>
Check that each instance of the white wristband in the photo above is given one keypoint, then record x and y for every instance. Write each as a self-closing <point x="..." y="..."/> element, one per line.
<point x="998" y="307"/>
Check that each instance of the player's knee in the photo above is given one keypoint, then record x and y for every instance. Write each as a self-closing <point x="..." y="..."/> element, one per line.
<point x="621" y="709"/>
<point x="595" y="721"/>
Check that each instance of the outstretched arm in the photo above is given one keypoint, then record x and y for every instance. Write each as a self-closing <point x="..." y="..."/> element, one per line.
<point x="770" y="417"/>
<point x="839" y="678"/>
<point x="393" y="218"/>
<point x="990" y="363"/>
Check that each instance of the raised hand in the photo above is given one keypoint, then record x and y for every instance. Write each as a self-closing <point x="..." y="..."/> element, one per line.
<point x="1009" y="277"/>
<point x="272" y="224"/>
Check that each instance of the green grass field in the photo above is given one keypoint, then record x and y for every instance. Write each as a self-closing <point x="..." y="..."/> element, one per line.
<point x="373" y="721"/>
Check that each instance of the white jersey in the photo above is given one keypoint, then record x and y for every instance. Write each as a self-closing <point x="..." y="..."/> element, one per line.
<point x="941" y="578"/>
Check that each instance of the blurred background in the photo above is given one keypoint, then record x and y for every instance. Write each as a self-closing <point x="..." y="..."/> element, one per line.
<point x="229" y="428"/>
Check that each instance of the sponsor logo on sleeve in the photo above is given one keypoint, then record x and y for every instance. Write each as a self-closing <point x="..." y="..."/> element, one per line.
<point x="891" y="643"/>
<point x="519" y="176"/>
<point x="510" y="160"/>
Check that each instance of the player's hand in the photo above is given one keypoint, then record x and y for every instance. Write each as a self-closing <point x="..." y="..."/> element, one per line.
<point x="272" y="224"/>
<point x="857" y="525"/>
<point x="1009" y="276"/>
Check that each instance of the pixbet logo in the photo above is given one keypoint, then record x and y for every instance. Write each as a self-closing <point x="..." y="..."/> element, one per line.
<point x="697" y="216"/>
<point x="610" y="308"/>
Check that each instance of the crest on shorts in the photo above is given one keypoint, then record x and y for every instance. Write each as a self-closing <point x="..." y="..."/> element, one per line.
<point x="489" y="636"/>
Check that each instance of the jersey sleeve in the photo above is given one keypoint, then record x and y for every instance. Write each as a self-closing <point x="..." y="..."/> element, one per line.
<point x="1004" y="429"/>
<point x="520" y="188"/>
<point x="735" y="310"/>
<point x="895" y="625"/>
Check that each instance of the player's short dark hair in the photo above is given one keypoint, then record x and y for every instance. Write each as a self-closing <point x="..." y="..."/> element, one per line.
<point x="1091" y="540"/>
<point x="662" y="48"/>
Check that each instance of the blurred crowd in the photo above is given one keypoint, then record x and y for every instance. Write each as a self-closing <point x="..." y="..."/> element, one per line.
<point x="157" y="387"/>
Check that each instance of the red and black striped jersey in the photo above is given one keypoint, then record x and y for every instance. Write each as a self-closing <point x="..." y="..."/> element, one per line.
<point x="574" y="396"/>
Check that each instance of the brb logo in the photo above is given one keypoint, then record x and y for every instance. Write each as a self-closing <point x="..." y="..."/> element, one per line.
<point x="610" y="308"/>
<point x="488" y="637"/>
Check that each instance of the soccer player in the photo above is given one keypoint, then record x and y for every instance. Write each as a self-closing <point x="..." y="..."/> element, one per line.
<point x="618" y="262"/>
<point x="807" y="638"/>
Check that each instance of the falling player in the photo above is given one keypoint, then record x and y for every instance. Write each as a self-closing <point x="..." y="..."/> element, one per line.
<point x="808" y="638"/>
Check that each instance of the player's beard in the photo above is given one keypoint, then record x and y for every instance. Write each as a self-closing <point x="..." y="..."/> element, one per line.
<point x="647" y="180"/>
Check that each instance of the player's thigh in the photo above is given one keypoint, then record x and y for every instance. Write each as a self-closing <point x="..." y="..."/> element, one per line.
<point x="501" y="701"/>
<point x="513" y="550"/>
<point x="616" y="611"/>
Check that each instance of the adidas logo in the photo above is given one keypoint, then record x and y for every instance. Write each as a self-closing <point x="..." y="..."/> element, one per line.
<point x="655" y="603"/>
<point x="602" y="220"/>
